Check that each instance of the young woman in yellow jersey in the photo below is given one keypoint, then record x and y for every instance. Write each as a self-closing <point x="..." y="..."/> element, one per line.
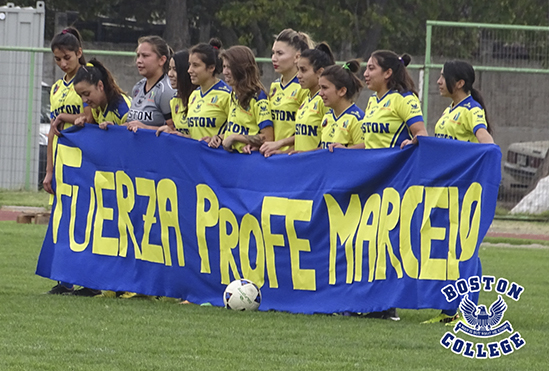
<point x="66" y="107"/>
<point x="286" y="95"/>
<point x="309" y="116"/>
<point x="151" y="96"/>
<point x="249" y="124"/>
<point x="96" y="86"/>
<point x="466" y="120"/>
<point x="393" y="114"/>
<point x="209" y="103"/>
<point x="181" y="82"/>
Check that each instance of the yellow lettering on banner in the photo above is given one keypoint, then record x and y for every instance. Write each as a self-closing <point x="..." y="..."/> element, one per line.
<point x="167" y="191"/>
<point x="432" y="268"/>
<point x="410" y="201"/>
<point x="149" y="252"/>
<point x="271" y="206"/>
<point x="469" y="228"/>
<point x="204" y="219"/>
<point x="343" y="226"/>
<point x="227" y="242"/>
<point x="387" y="222"/>
<point x="249" y="226"/>
<point x="125" y="206"/>
<point x="103" y="245"/>
<point x="75" y="246"/>
<point x="453" y="211"/>
<point x="303" y="279"/>
<point x="66" y="156"/>
<point x="367" y="232"/>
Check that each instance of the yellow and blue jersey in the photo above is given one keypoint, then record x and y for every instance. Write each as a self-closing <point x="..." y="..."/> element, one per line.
<point x="344" y="129"/>
<point x="64" y="99"/>
<point x="116" y="113"/>
<point x="208" y="111"/>
<point x="248" y="121"/>
<point x="387" y="120"/>
<point x="179" y="116"/>
<point x="462" y="121"/>
<point x="307" y="124"/>
<point x="285" y="101"/>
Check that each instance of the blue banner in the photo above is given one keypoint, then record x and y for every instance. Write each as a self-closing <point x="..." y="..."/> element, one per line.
<point x="353" y="230"/>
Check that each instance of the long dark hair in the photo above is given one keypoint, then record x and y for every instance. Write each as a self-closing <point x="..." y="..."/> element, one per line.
<point x="184" y="85"/>
<point x="345" y="76"/>
<point x="400" y="79"/>
<point x="456" y="70"/>
<point x="245" y="73"/>
<point x="98" y="72"/>
<point x="69" y="39"/>
<point x="319" y="57"/>
<point x="209" y="54"/>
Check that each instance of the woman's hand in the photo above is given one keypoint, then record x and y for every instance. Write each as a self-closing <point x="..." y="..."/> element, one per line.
<point x="228" y="143"/>
<point x="104" y="125"/>
<point x="134" y="125"/>
<point x="47" y="182"/>
<point x="215" y="141"/>
<point x="331" y="146"/>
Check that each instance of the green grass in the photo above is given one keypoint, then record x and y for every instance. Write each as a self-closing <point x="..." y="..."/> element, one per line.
<point x="42" y="332"/>
<point x="24" y="198"/>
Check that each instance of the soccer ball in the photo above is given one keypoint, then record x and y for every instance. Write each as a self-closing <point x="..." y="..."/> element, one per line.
<point x="242" y="295"/>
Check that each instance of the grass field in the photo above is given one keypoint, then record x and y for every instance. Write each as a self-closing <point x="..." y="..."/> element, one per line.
<point x="43" y="332"/>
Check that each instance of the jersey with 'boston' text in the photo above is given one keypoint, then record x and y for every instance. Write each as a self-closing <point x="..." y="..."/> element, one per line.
<point x="308" y="121"/>
<point x="285" y="101"/>
<point x="152" y="107"/>
<point x="248" y="121"/>
<point x="462" y="121"/>
<point x="179" y="116"/>
<point x="64" y="99"/>
<point x="116" y="113"/>
<point x="344" y="129"/>
<point x="208" y="111"/>
<point x="387" y="120"/>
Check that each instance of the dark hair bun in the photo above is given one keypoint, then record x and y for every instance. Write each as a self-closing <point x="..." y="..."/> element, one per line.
<point x="406" y="59"/>
<point x="216" y="43"/>
<point x="354" y="65"/>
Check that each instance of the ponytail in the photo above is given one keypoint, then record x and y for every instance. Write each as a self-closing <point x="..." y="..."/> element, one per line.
<point x="345" y="76"/>
<point x="94" y="72"/>
<point x="319" y="57"/>
<point x="400" y="79"/>
<point x="69" y="39"/>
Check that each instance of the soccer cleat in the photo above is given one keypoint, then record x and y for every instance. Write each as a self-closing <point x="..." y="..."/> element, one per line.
<point x="386" y="314"/>
<point x="444" y="318"/>
<point x="107" y="294"/>
<point x="128" y="295"/>
<point x="455" y="321"/>
<point x="84" y="291"/>
<point x="59" y="289"/>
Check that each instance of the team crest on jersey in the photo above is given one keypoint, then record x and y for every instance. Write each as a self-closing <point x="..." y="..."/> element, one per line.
<point x="345" y="124"/>
<point x="415" y="106"/>
<point x="273" y="93"/>
<point x="315" y="106"/>
<point x="388" y="104"/>
<point x="456" y="117"/>
<point x="324" y="123"/>
<point x="214" y="100"/>
<point x="177" y="108"/>
<point x="294" y="93"/>
<point x="55" y="89"/>
<point x="194" y="98"/>
<point x="302" y="104"/>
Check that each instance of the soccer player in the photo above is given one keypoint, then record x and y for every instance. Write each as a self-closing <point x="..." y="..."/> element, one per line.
<point x="209" y="103"/>
<point x="339" y="87"/>
<point x="151" y="96"/>
<point x="181" y="82"/>
<point x="466" y="120"/>
<point x="393" y="114"/>
<point x="66" y="107"/>
<point x="249" y="123"/>
<point x="96" y="86"/>
<point x="286" y="94"/>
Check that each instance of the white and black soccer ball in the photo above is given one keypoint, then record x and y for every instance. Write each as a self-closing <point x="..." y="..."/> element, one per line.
<point x="242" y="295"/>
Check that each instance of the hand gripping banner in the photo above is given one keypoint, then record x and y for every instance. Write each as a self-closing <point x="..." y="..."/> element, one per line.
<point x="353" y="230"/>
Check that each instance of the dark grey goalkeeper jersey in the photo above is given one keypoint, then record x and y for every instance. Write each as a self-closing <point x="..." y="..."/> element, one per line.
<point x="152" y="107"/>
